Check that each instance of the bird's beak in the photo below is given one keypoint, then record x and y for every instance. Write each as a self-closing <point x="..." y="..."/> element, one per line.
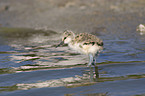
<point x="61" y="43"/>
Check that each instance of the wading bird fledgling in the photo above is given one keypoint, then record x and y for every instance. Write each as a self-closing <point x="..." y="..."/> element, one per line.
<point x="84" y="43"/>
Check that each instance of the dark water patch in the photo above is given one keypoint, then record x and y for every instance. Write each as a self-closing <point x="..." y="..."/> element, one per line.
<point x="23" y="32"/>
<point x="8" y="52"/>
<point x="104" y="79"/>
<point x="112" y="62"/>
<point x="31" y="55"/>
<point x="26" y="36"/>
<point x="7" y="70"/>
<point x="8" y="88"/>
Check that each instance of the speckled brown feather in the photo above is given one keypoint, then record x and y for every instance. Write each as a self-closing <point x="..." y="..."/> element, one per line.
<point x="87" y="39"/>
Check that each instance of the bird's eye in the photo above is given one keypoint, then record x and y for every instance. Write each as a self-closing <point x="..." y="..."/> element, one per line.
<point x="64" y="38"/>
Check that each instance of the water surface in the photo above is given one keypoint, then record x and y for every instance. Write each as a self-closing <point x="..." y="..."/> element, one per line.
<point x="30" y="64"/>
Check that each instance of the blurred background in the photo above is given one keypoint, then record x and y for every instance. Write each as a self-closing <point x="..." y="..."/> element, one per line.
<point x="31" y="65"/>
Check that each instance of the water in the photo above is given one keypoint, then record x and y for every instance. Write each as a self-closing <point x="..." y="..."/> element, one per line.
<point x="31" y="65"/>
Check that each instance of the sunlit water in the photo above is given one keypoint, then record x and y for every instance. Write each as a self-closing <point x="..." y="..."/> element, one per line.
<point x="30" y="64"/>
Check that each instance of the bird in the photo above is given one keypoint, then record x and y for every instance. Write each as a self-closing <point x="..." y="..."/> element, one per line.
<point x="83" y="43"/>
<point x="141" y="29"/>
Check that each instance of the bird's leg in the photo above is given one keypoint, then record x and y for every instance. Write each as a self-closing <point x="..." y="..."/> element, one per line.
<point x="91" y="58"/>
<point x="91" y="74"/>
<point x="95" y="60"/>
<point x="96" y="72"/>
<point x="96" y="67"/>
<point x="92" y="61"/>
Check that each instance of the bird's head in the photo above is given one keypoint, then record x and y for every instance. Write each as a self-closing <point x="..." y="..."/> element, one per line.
<point x="67" y="37"/>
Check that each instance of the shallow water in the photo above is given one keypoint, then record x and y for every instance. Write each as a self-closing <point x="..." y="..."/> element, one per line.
<point x="30" y="64"/>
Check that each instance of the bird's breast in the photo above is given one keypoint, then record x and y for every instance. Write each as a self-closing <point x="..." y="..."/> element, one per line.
<point x="84" y="49"/>
<point x="93" y="49"/>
